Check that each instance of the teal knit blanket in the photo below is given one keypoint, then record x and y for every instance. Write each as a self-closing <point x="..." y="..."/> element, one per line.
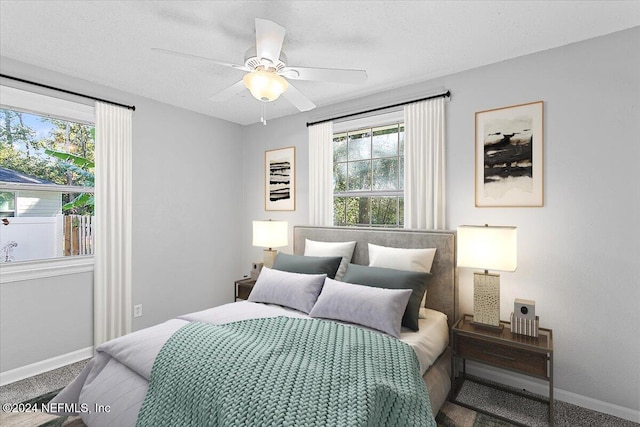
<point x="285" y="372"/>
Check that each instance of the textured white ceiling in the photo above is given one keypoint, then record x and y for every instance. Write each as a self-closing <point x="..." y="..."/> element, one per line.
<point x="397" y="42"/>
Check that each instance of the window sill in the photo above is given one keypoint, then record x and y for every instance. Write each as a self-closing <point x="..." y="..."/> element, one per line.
<point x="29" y="270"/>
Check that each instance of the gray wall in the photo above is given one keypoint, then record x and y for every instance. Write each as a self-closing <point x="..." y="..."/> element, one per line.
<point x="285" y="132"/>
<point x="186" y="242"/>
<point x="186" y="197"/>
<point x="579" y="255"/>
<point x="45" y="318"/>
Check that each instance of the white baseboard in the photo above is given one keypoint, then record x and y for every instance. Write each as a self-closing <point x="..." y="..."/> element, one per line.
<point x="27" y="371"/>
<point x="542" y="388"/>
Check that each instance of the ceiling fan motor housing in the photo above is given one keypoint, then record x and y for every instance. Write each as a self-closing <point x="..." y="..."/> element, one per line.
<point x="252" y="61"/>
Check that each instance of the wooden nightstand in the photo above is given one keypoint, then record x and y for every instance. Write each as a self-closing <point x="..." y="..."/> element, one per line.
<point x="503" y="349"/>
<point x="243" y="288"/>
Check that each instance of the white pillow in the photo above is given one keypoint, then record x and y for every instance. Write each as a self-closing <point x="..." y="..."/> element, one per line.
<point x="377" y="308"/>
<point x="419" y="260"/>
<point x="324" y="249"/>
<point x="295" y="290"/>
<point x="403" y="259"/>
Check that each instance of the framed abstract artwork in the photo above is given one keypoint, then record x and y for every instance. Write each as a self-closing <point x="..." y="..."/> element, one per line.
<point x="280" y="179"/>
<point x="509" y="156"/>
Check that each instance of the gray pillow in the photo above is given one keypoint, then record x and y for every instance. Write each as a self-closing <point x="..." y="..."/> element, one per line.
<point x="393" y="279"/>
<point x="298" y="291"/>
<point x="376" y="308"/>
<point x="307" y="264"/>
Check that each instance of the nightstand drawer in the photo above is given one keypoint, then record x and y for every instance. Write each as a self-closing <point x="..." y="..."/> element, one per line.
<point x="502" y="356"/>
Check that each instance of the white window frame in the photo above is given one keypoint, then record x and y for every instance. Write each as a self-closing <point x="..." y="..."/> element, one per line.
<point x="373" y="121"/>
<point x="12" y="98"/>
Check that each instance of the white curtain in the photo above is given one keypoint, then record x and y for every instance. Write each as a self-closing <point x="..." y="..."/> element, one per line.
<point x="321" y="174"/>
<point x="424" y="165"/>
<point x="112" y="310"/>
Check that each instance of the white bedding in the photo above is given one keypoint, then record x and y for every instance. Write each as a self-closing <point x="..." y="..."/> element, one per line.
<point x="431" y="340"/>
<point x="118" y="376"/>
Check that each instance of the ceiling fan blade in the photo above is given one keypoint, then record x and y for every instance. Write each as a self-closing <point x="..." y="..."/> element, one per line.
<point x="269" y="38"/>
<point x="299" y="101"/>
<point x="229" y="92"/>
<point x="325" y="74"/>
<point x="202" y="58"/>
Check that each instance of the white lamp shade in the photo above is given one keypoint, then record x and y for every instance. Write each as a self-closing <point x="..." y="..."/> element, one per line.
<point x="488" y="247"/>
<point x="264" y="85"/>
<point x="270" y="234"/>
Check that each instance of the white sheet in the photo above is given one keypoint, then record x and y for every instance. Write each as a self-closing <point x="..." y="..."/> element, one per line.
<point x="431" y="339"/>
<point x="428" y="343"/>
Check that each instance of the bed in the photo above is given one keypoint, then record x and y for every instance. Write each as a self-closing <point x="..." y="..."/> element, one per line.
<point x="442" y="291"/>
<point x="112" y="388"/>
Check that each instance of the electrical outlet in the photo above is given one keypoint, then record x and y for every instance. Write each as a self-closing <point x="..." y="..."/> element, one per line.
<point x="137" y="310"/>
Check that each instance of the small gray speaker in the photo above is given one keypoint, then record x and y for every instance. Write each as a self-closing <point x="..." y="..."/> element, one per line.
<point x="255" y="270"/>
<point x="524" y="308"/>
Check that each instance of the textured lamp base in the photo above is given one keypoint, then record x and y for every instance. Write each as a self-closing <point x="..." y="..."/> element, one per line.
<point x="269" y="257"/>
<point x="486" y="300"/>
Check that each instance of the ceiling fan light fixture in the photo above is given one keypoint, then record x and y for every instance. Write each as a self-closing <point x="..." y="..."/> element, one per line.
<point x="265" y="85"/>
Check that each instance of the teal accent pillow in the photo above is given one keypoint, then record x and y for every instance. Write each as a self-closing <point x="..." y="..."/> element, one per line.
<point x="379" y="277"/>
<point x="307" y="264"/>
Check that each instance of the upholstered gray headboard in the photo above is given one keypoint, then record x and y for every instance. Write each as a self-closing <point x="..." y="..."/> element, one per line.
<point x="442" y="292"/>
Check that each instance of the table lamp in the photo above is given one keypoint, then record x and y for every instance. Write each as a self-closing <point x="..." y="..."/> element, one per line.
<point x="270" y="234"/>
<point x="488" y="248"/>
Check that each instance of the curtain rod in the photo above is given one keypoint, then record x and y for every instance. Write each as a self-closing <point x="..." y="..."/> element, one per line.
<point x="130" y="107"/>
<point x="446" y="94"/>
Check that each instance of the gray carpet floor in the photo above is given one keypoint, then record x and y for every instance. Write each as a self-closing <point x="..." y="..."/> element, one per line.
<point x="33" y="388"/>
<point x="38" y="385"/>
<point x="516" y="408"/>
<point x="530" y="412"/>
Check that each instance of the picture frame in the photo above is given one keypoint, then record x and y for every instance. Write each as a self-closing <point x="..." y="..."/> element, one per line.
<point x="509" y="144"/>
<point x="280" y="179"/>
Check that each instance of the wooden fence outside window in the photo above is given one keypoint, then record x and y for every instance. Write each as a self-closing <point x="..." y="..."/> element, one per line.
<point x="78" y="235"/>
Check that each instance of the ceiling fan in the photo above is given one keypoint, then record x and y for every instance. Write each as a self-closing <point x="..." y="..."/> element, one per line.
<point x="268" y="73"/>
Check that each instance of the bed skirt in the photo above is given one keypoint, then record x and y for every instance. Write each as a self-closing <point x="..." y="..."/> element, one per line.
<point x="438" y="380"/>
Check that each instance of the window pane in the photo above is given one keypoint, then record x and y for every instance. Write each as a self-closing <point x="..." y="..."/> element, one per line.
<point x="7" y="204"/>
<point x="384" y="210"/>
<point x="340" y="147"/>
<point x="360" y="175"/>
<point x="339" y="177"/>
<point x="49" y="222"/>
<point x="401" y="211"/>
<point x="360" y="145"/>
<point x="339" y="211"/>
<point x="358" y="211"/>
<point x="385" y="174"/>
<point x="385" y="141"/>
<point x="373" y="163"/>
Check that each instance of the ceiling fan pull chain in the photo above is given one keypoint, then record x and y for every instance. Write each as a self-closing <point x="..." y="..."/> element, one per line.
<point x="263" y="119"/>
